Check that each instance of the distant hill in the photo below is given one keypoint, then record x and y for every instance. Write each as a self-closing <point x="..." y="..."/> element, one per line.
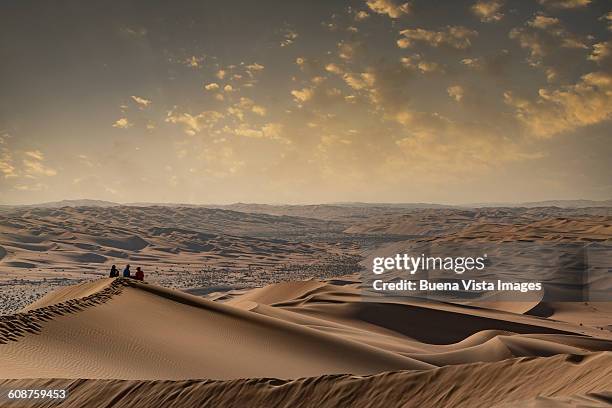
<point x="406" y="206"/>
<point x="549" y="203"/>
<point x="73" y="203"/>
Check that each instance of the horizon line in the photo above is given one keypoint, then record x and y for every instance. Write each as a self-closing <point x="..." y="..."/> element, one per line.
<point x="337" y="203"/>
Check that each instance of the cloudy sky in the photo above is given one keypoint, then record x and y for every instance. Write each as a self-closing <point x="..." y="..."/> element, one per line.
<point x="304" y="102"/>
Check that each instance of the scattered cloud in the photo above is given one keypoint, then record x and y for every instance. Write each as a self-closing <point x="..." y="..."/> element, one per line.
<point x="601" y="52"/>
<point x="544" y="35"/>
<point x="554" y="28"/>
<point x="35" y="155"/>
<point x="587" y="102"/>
<point x="416" y="63"/>
<point x="456" y="92"/>
<point x="334" y="68"/>
<point x="193" y="124"/>
<point x="475" y="63"/>
<point x="437" y="147"/>
<point x="348" y="50"/>
<point x="122" y="123"/>
<point x="457" y="37"/>
<point x="302" y="95"/>
<point x="193" y="61"/>
<point x="249" y="105"/>
<point x="254" y="68"/>
<point x="289" y="37"/>
<point x="259" y="110"/>
<point x="359" y="81"/>
<point x="565" y="4"/>
<point x="361" y="15"/>
<point x="543" y="22"/>
<point x="34" y="166"/>
<point x="488" y="11"/>
<point x="608" y="19"/>
<point x="7" y="169"/>
<point x="389" y="7"/>
<point x="318" y="95"/>
<point x="213" y="86"/>
<point x="142" y="102"/>
<point x="272" y="131"/>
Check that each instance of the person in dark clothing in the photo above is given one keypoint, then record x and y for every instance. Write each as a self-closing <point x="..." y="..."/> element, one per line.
<point x="139" y="274"/>
<point x="126" y="272"/>
<point x="114" y="272"/>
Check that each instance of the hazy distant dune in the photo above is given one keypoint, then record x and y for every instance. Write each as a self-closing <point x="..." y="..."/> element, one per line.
<point x="83" y="238"/>
<point x="79" y="239"/>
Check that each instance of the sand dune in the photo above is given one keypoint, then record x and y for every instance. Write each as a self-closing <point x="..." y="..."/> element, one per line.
<point x="492" y="224"/>
<point x="123" y="329"/>
<point x="192" y="247"/>
<point x="78" y="238"/>
<point x="125" y="343"/>
<point x="181" y="247"/>
<point x="570" y="381"/>
<point x="147" y="332"/>
<point x="82" y="238"/>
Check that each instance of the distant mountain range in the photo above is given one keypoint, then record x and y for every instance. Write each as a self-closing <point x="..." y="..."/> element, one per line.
<point x="263" y="207"/>
<point x="549" y="203"/>
<point x="69" y="203"/>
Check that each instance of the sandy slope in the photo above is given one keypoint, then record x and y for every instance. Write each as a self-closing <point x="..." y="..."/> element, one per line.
<point x="121" y="329"/>
<point x="148" y="332"/>
<point x="559" y="381"/>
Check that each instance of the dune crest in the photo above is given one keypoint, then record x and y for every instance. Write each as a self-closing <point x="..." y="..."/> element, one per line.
<point x="509" y="383"/>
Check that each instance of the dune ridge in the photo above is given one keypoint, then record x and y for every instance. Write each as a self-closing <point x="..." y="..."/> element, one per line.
<point x="509" y="383"/>
<point x="12" y="327"/>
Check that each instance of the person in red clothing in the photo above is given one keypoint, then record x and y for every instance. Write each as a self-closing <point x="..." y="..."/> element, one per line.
<point x="139" y="274"/>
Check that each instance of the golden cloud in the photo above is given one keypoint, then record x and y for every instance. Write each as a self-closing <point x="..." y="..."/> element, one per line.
<point x="488" y="11"/>
<point x="565" y="4"/>
<point x="457" y="37"/>
<point x="456" y="92"/>
<point x="588" y="102"/>
<point x="601" y="52"/>
<point x="33" y="163"/>
<point x="213" y="86"/>
<point x="193" y="124"/>
<point x="389" y="7"/>
<point x="122" y="123"/>
<point x="361" y="15"/>
<point x="142" y="102"/>
<point x="417" y="64"/>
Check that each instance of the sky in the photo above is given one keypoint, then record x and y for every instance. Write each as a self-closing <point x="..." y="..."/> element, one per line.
<point x="305" y="101"/>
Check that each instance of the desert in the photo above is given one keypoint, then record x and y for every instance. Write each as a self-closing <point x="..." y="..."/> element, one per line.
<point x="305" y="204"/>
<point x="274" y="306"/>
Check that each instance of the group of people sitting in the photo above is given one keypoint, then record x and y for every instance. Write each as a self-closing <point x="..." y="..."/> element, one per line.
<point x="139" y="275"/>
